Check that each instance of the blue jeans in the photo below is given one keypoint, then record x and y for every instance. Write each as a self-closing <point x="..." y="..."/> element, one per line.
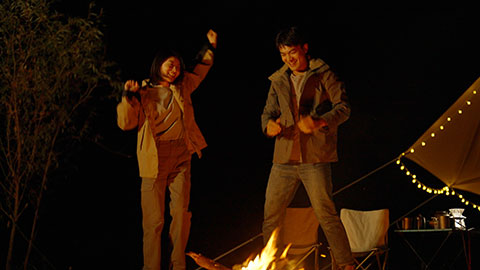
<point x="317" y="179"/>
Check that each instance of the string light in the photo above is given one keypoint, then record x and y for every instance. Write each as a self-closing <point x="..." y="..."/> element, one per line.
<point x="447" y="191"/>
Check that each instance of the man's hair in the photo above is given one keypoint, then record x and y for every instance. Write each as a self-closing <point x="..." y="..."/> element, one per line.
<point x="160" y="57"/>
<point x="290" y="36"/>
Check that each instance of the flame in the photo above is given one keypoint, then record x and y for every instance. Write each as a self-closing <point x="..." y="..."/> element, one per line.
<point x="267" y="260"/>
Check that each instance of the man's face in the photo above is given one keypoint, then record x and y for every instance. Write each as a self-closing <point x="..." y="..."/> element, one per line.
<point x="295" y="57"/>
<point x="170" y="69"/>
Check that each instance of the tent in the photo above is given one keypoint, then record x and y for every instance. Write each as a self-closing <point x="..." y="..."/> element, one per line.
<point x="450" y="148"/>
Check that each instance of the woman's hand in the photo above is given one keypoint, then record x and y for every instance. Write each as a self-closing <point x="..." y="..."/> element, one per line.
<point x="212" y="38"/>
<point x="131" y="86"/>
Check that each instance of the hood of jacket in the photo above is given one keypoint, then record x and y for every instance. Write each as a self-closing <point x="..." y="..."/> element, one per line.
<point x="314" y="65"/>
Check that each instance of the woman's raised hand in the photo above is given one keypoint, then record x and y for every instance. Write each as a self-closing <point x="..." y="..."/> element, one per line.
<point x="212" y="38"/>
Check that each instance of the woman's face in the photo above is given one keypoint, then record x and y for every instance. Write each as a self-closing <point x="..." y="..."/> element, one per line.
<point x="170" y="69"/>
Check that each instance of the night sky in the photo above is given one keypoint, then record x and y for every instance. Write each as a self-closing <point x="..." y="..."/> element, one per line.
<point x="403" y="66"/>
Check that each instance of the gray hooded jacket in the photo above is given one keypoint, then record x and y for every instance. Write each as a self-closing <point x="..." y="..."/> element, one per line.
<point x="323" y="96"/>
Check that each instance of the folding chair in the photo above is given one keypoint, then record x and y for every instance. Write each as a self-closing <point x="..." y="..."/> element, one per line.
<point x="367" y="233"/>
<point x="300" y="229"/>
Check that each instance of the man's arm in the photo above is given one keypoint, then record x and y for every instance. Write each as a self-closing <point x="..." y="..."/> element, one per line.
<point x="339" y="113"/>
<point x="271" y="115"/>
<point x="335" y="88"/>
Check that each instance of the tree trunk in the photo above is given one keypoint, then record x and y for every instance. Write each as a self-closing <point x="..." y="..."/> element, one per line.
<point x="39" y="199"/>
<point x="16" y="178"/>
<point x="13" y="219"/>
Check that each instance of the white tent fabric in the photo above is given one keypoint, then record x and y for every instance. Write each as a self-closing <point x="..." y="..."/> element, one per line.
<point x="450" y="148"/>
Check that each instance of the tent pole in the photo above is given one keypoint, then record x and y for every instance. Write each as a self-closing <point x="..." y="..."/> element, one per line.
<point x="365" y="176"/>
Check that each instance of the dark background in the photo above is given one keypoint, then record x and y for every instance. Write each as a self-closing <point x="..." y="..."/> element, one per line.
<point x="403" y="66"/>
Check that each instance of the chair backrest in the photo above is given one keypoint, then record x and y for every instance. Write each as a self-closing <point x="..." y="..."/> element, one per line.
<point x="300" y="229"/>
<point x="365" y="229"/>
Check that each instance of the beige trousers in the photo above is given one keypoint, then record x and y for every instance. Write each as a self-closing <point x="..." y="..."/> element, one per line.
<point x="174" y="173"/>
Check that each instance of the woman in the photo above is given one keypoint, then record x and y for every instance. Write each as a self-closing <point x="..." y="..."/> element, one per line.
<point x="162" y="112"/>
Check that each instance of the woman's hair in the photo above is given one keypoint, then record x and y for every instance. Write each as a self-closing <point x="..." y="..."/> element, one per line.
<point x="290" y="36"/>
<point x="160" y="57"/>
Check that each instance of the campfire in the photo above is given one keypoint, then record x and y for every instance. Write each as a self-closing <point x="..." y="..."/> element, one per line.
<point x="266" y="260"/>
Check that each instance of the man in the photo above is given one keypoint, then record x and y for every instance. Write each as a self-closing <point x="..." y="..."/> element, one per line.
<point x="162" y="112"/>
<point x="305" y="105"/>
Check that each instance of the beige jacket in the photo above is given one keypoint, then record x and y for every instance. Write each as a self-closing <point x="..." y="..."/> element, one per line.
<point x="131" y="114"/>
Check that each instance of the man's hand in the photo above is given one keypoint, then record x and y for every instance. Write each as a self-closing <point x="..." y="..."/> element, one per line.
<point x="274" y="128"/>
<point x="307" y="125"/>
<point x="212" y="38"/>
<point x="131" y="86"/>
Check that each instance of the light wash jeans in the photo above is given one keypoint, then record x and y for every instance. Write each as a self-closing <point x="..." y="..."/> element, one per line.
<point x="282" y="184"/>
<point x="174" y="172"/>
